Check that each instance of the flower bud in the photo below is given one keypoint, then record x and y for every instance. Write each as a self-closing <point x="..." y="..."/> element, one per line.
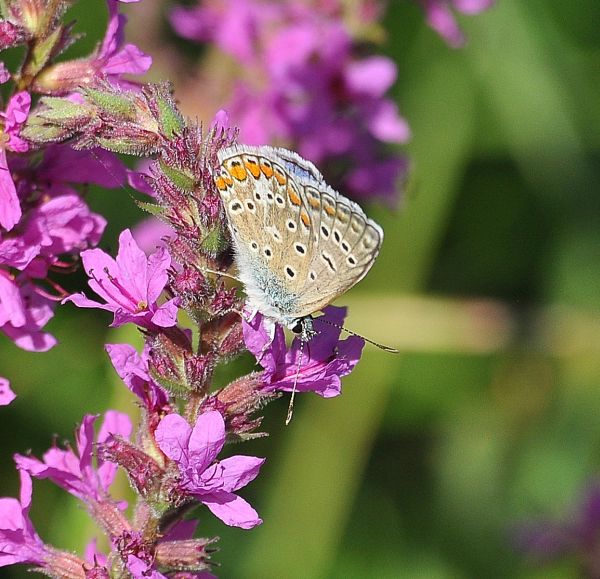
<point x="190" y="555"/>
<point x="65" y="77"/>
<point x="143" y="472"/>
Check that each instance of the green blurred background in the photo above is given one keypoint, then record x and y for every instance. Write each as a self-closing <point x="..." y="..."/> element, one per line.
<point x="488" y="283"/>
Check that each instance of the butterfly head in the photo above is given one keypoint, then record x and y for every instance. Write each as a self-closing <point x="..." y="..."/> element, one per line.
<point x="303" y="328"/>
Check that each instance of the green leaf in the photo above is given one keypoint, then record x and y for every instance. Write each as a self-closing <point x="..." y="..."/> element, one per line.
<point x="170" y="119"/>
<point x="42" y="52"/>
<point x="114" y="103"/>
<point x="179" y="177"/>
<point x="214" y="242"/>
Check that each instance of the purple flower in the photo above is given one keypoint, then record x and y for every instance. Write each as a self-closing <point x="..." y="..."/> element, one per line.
<point x="212" y="483"/>
<point x="114" y="57"/>
<point x="19" y="543"/>
<point x="544" y="540"/>
<point x="6" y="394"/>
<point x="13" y="119"/>
<point x="325" y="358"/>
<point x="319" y="98"/>
<point x="23" y="313"/>
<point x="130" y="285"/>
<point x="133" y="370"/>
<point x="140" y="569"/>
<point x="76" y="474"/>
<point x="440" y="17"/>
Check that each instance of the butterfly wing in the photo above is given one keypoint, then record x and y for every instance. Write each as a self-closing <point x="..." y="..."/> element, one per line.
<point x="270" y="225"/>
<point x="346" y="244"/>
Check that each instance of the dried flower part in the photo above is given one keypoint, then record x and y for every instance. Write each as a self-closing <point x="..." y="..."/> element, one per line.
<point x="143" y="472"/>
<point x="190" y="555"/>
<point x="238" y="402"/>
<point x="64" y="565"/>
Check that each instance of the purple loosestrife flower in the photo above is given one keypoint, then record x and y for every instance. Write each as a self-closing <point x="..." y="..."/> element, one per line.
<point x="440" y="17"/>
<point x="12" y="120"/>
<point x="212" y="483"/>
<point x="76" y="474"/>
<point x="325" y="359"/>
<point x="133" y="370"/>
<point x="130" y="285"/>
<point x="23" y="312"/>
<point x="112" y="59"/>
<point x="319" y="98"/>
<point x="19" y="543"/>
<point x="55" y="223"/>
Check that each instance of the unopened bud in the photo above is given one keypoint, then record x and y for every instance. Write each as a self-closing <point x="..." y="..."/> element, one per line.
<point x="143" y="472"/>
<point x="190" y="555"/>
<point x="65" y="77"/>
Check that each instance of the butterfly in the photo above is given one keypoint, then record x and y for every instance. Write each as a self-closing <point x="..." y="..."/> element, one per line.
<point x="298" y="243"/>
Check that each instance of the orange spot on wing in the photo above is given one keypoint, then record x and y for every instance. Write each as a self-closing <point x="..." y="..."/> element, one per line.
<point x="329" y="210"/>
<point x="305" y="218"/>
<point x="253" y="167"/>
<point x="238" y="171"/>
<point x="342" y="216"/>
<point x="293" y="197"/>
<point x="267" y="170"/>
<point x="314" y="203"/>
<point x="280" y="176"/>
<point x="220" y="183"/>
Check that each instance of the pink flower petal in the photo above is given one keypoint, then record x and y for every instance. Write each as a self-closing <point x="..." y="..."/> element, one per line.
<point x="166" y="315"/>
<point x="207" y="439"/>
<point x="232" y="510"/>
<point x="173" y="436"/>
<point x="10" y="208"/>
<point x="6" y="394"/>
<point x="237" y="471"/>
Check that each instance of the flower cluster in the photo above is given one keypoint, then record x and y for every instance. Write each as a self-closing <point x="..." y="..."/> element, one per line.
<point x="326" y="100"/>
<point x="173" y="461"/>
<point x="44" y="221"/>
<point x="323" y="99"/>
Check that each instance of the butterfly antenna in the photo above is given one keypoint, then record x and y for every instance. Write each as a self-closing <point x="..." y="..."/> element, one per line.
<point x="290" y="411"/>
<point x="107" y="169"/>
<point x="221" y="274"/>
<point x="380" y="346"/>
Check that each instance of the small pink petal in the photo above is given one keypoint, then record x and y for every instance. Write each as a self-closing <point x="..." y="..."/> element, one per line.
<point x="207" y="439"/>
<point x="6" y="394"/>
<point x="10" y="208"/>
<point x="232" y="510"/>
<point x="166" y="315"/>
<point x="172" y="436"/>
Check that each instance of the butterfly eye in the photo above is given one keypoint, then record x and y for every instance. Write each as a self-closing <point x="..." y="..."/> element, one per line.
<point x="297" y="327"/>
